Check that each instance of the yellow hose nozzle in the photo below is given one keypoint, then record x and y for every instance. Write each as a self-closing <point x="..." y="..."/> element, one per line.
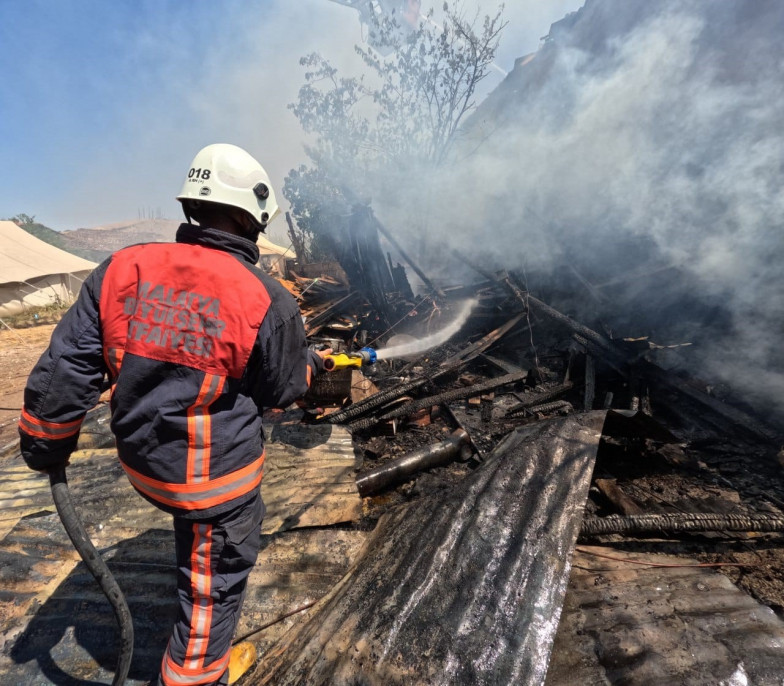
<point x="341" y="361"/>
<point x="344" y="360"/>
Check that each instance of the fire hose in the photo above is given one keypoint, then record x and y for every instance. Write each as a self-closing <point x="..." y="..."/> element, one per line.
<point x="76" y="532"/>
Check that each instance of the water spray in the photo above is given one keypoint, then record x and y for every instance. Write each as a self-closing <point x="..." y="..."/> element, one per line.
<point x="368" y="356"/>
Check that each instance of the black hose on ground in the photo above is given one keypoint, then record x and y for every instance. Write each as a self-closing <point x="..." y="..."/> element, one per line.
<point x="656" y="524"/>
<point x="84" y="546"/>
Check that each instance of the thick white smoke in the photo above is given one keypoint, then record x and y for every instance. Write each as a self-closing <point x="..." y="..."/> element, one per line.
<point x="645" y="136"/>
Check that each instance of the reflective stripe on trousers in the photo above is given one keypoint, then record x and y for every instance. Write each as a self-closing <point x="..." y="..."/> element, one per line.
<point x="214" y="558"/>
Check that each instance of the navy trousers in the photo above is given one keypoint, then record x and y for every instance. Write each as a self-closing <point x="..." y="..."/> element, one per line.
<point x="214" y="559"/>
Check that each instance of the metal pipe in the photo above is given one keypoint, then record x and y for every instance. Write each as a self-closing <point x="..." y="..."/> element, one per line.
<point x="397" y="471"/>
<point x="94" y="562"/>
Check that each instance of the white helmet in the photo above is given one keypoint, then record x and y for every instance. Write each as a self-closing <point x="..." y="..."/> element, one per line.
<point x="228" y="175"/>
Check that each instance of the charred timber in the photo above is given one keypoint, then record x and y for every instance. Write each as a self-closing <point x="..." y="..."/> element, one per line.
<point x="529" y="300"/>
<point x="580" y="329"/>
<point x="548" y="408"/>
<point x="374" y="401"/>
<point x="324" y="316"/>
<point x="446" y="397"/>
<point x="743" y="420"/>
<point x="299" y="245"/>
<point x="474" y="349"/>
<point x="739" y="418"/>
<point x="411" y="263"/>
<point x="657" y="524"/>
<point x="611" y="357"/>
<point x="539" y="399"/>
<point x="399" y="470"/>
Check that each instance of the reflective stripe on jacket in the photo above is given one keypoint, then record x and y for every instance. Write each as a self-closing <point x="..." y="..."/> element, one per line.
<point x="196" y="342"/>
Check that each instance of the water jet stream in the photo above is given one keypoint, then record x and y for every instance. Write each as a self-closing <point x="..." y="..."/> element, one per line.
<point x="431" y="341"/>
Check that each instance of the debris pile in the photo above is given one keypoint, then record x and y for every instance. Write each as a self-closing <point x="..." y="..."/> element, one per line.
<point x="671" y="462"/>
<point x="424" y="507"/>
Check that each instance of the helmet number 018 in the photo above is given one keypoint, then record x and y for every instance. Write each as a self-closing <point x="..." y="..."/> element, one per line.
<point x="202" y="174"/>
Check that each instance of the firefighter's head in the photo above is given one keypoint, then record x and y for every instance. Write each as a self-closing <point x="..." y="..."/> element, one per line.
<point x="225" y="183"/>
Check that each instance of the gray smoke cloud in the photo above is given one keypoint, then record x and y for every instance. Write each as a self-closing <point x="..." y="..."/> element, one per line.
<point x="124" y="143"/>
<point x="647" y="137"/>
<point x="231" y="84"/>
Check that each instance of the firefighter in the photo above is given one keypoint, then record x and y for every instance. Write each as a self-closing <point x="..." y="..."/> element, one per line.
<point x="196" y="342"/>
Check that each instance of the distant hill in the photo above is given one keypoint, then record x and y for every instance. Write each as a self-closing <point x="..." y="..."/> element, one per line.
<point x="57" y="239"/>
<point x="108" y="238"/>
<point x="99" y="242"/>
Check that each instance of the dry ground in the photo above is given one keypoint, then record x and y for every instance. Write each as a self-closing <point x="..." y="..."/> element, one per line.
<point x="742" y="480"/>
<point x="19" y="351"/>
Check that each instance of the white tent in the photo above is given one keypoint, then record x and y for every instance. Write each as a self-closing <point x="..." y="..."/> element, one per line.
<point x="34" y="273"/>
<point x="273" y="256"/>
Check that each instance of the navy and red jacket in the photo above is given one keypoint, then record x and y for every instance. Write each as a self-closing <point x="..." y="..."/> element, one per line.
<point x="197" y="342"/>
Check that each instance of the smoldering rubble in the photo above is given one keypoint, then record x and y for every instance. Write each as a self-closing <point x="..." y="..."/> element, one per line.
<point x="582" y="484"/>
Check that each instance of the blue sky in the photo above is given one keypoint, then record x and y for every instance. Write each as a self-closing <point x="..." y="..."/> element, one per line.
<point x="104" y="103"/>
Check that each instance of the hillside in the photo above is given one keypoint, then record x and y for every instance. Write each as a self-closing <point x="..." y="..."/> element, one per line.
<point x="106" y="239"/>
<point x="58" y="240"/>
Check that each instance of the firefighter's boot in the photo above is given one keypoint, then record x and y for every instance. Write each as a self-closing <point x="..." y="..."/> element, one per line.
<point x="242" y="658"/>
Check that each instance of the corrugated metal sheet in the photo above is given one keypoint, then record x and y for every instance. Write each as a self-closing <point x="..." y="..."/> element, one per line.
<point x="462" y="588"/>
<point x="631" y="624"/>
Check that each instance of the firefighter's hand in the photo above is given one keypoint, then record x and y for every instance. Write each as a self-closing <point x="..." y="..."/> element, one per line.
<point x="323" y="353"/>
<point x="317" y="360"/>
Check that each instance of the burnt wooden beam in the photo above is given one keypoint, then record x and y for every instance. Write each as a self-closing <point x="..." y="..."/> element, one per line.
<point x="411" y="263"/>
<point x="478" y="347"/>
<point x="299" y="246"/>
<point x="625" y="504"/>
<point x="578" y="328"/>
<point x="445" y="397"/>
<point x="539" y="398"/>
<point x="548" y="408"/>
<point x="590" y="383"/>
<point x="374" y="401"/>
<point x="323" y="317"/>
<point x="738" y="417"/>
